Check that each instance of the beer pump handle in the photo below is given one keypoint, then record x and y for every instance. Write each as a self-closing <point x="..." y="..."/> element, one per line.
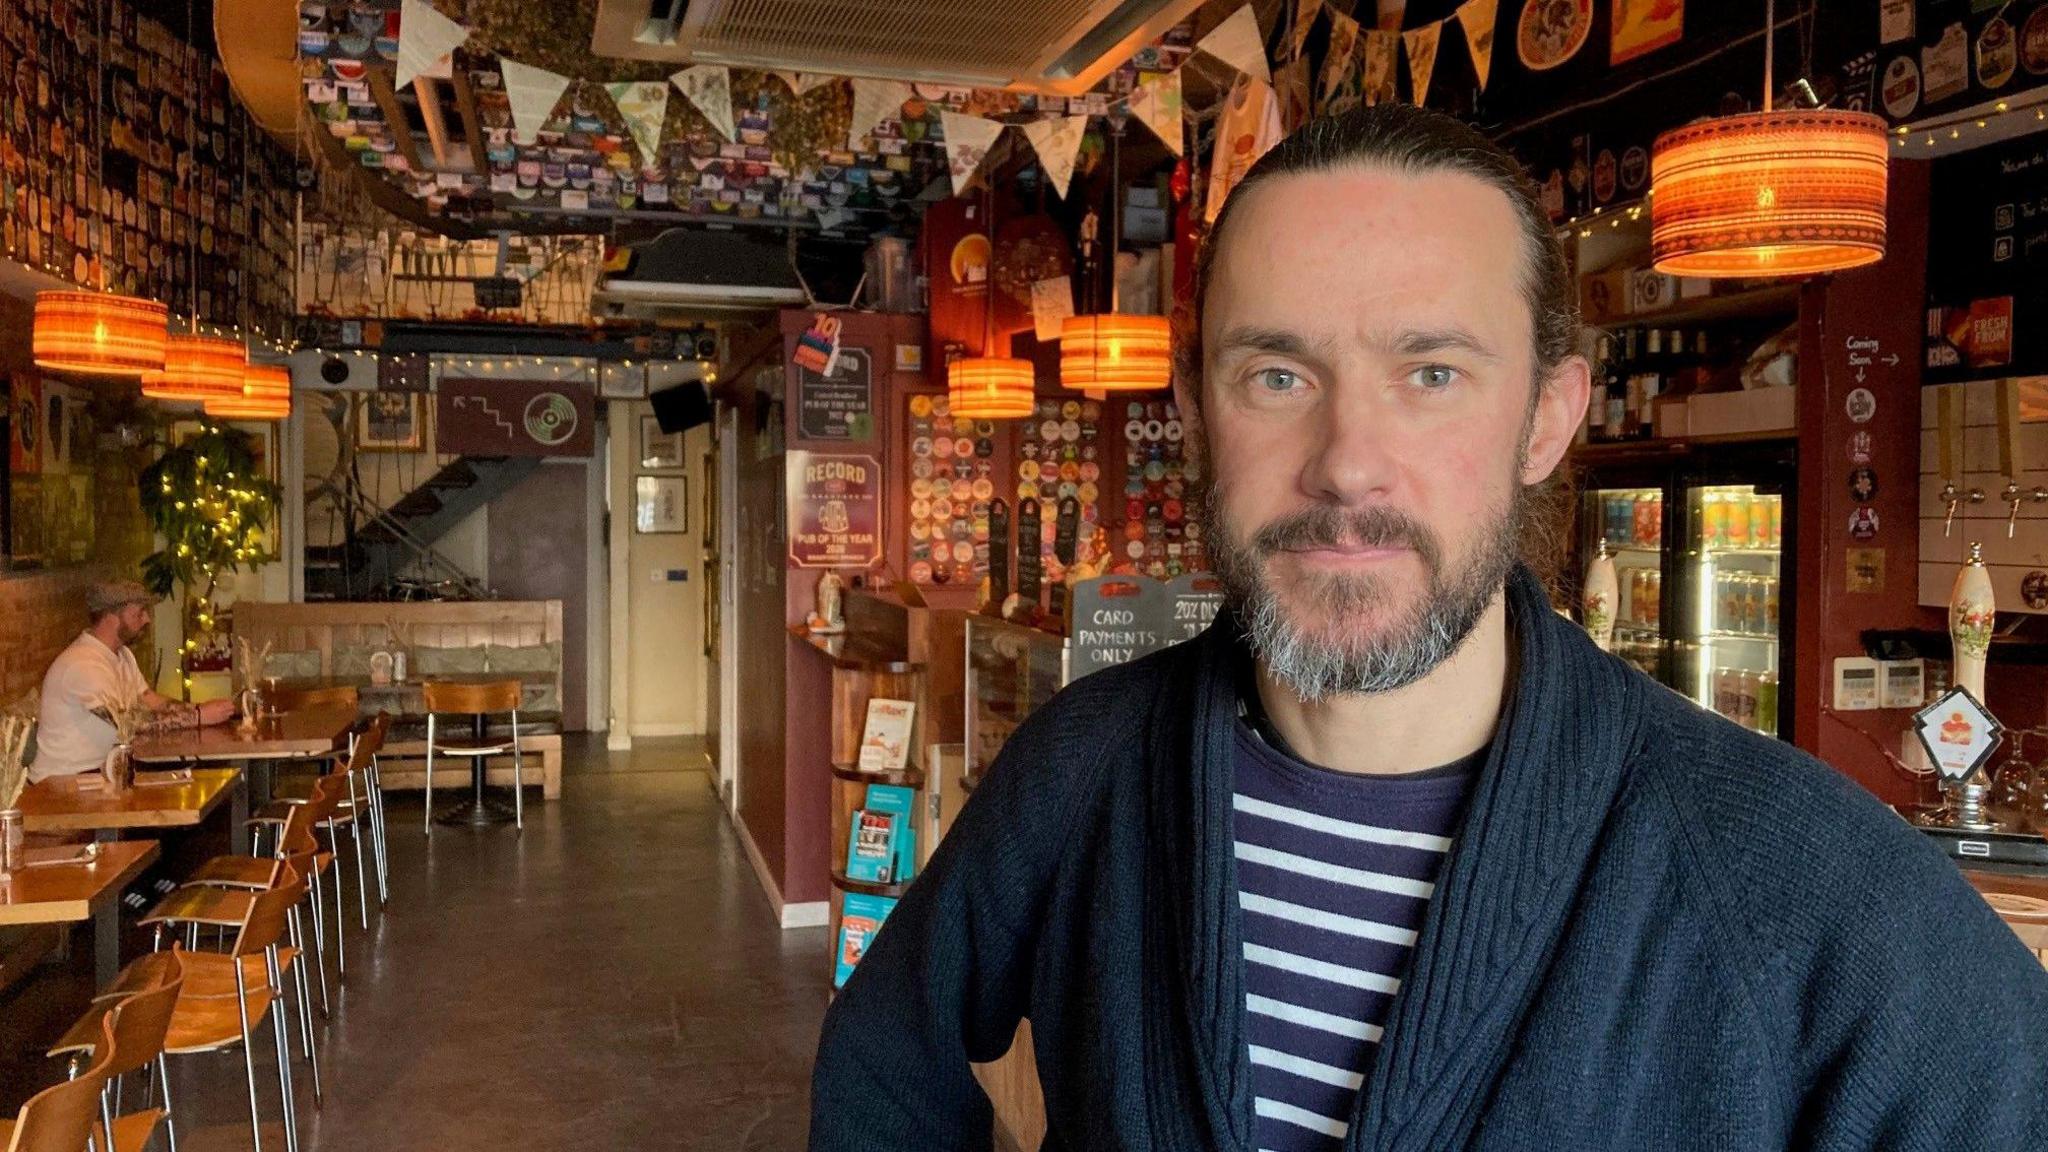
<point x="1972" y="611"/>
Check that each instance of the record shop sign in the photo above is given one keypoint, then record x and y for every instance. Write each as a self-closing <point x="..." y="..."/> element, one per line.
<point x="514" y="418"/>
<point x="838" y="406"/>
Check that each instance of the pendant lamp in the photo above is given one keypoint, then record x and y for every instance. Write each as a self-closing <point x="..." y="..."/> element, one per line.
<point x="989" y="387"/>
<point x="198" y="368"/>
<point x="1116" y="352"/>
<point x="266" y="395"/>
<point x="1786" y="192"/>
<point x="99" y="333"/>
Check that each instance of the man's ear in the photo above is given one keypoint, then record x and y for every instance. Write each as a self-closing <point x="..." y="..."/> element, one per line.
<point x="1560" y="410"/>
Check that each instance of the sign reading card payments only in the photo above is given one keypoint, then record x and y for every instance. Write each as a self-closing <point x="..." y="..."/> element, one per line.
<point x="835" y="510"/>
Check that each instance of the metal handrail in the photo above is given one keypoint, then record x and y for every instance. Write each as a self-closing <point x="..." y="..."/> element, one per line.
<point x="422" y="552"/>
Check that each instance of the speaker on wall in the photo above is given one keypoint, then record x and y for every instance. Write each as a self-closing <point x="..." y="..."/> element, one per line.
<point x="682" y="407"/>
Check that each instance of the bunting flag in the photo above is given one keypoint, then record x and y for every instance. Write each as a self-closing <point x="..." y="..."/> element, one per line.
<point x="1304" y="22"/>
<point x="1379" y="50"/>
<point x="533" y="94"/>
<point x="708" y="88"/>
<point x="425" y="38"/>
<point x="801" y="83"/>
<point x="1338" y="75"/>
<point x="1249" y="125"/>
<point x="1157" y="104"/>
<point x="1421" y="44"/>
<point x="968" y="139"/>
<point x="1058" y="143"/>
<point x="1290" y="84"/>
<point x="1393" y="13"/>
<point x="1476" y="17"/>
<point x="643" y="104"/>
<point x="873" y="102"/>
<point x="1239" y="43"/>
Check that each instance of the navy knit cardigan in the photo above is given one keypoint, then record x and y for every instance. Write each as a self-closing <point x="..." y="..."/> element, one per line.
<point x="1655" y="931"/>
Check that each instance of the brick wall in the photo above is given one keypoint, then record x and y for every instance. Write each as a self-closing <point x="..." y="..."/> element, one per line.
<point x="40" y="613"/>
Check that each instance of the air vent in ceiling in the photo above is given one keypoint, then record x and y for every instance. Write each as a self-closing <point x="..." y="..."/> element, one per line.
<point x="1051" y="46"/>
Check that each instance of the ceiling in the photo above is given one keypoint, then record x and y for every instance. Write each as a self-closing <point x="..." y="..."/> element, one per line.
<point x="1061" y="47"/>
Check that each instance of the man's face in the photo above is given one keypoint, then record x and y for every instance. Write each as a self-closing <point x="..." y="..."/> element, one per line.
<point x="134" y="620"/>
<point x="1369" y="412"/>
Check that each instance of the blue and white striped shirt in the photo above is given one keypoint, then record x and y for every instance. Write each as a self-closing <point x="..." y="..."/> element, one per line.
<point x="1334" y="873"/>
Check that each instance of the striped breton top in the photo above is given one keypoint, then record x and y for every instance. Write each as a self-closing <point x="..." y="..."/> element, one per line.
<point x="1334" y="872"/>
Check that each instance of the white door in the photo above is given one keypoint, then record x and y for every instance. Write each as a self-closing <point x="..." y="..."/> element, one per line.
<point x="728" y="610"/>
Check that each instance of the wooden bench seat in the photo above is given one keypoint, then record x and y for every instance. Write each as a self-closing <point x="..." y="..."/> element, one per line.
<point x="403" y="764"/>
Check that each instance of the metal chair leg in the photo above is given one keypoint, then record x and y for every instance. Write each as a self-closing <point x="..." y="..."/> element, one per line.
<point x="163" y="1078"/>
<point x="427" y="820"/>
<point x="340" y="909"/>
<point x="281" y="1039"/>
<point x="518" y="778"/>
<point x="355" y="835"/>
<point x="298" y="993"/>
<point x="376" y="788"/>
<point x="249" y="1061"/>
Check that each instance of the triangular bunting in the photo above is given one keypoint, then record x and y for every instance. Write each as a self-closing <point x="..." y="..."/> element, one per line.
<point x="1378" y="49"/>
<point x="1304" y="23"/>
<point x="1250" y="124"/>
<point x="1156" y="104"/>
<point x="425" y="37"/>
<point x="1421" y="44"/>
<point x="1337" y="89"/>
<point x="708" y="88"/>
<point x="643" y="104"/>
<point x="1290" y="84"/>
<point x="873" y="102"/>
<point x="1238" y="43"/>
<point x="968" y="139"/>
<point x="1057" y="142"/>
<point x="533" y="94"/>
<point x="1392" y="13"/>
<point x="1476" y="17"/>
<point x="801" y="83"/>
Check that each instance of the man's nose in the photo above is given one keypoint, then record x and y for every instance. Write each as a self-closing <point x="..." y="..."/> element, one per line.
<point x="1353" y="461"/>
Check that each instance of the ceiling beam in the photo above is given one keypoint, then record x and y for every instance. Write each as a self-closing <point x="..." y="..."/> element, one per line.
<point x="429" y="93"/>
<point x="394" y="117"/>
<point x="472" y="127"/>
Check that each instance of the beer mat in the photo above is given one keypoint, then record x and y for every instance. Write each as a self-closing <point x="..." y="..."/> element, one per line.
<point x="2016" y="907"/>
<point x="163" y="779"/>
<point x="61" y="854"/>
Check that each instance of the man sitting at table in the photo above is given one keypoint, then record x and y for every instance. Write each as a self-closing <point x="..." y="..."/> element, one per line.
<point x="87" y="681"/>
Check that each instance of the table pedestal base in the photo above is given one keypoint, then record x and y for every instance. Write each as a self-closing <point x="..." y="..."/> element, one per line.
<point x="477" y="812"/>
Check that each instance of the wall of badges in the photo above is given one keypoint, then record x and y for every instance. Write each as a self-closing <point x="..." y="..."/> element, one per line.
<point x="1162" y="515"/>
<point x="1058" y="459"/>
<point x="125" y="162"/>
<point x="953" y="472"/>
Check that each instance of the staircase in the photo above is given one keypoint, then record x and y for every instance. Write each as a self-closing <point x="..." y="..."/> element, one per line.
<point x="384" y="543"/>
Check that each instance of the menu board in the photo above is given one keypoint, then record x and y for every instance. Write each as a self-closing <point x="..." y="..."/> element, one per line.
<point x="1987" y="263"/>
<point x="952" y="489"/>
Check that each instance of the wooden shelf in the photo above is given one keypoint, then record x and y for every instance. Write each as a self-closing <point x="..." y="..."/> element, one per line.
<point x="1778" y="300"/>
<point x="1630" y="450"/>
<point x="908" y="778"/>
<point x="841" y="881"/>
<point x="856" y="652"/>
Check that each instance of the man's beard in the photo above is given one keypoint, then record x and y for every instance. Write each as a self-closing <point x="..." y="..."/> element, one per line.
<point x="1394" y="655"/>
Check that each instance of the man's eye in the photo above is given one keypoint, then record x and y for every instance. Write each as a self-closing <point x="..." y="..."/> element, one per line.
<point x="1275" y="380"/>
<point x="1434" y="376"/>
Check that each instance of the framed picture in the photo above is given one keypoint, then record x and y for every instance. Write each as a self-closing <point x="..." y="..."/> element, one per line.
<point x="616" y="381"/>
<point x="658" y="449"/>
<point x="661" y="504"/>
<point x="389" y="422"/>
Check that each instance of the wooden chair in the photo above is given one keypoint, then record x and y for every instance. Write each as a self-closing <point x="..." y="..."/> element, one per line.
<point x="141" y="1022"/>
<point x="60" y="1118"/>
<point x="329" y="696"/>
<point x="226" y="996"/>
<point x="496" y="697"/>
<point x="364" y="803"/>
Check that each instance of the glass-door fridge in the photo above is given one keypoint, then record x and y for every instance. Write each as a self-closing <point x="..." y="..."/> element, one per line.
<point x="1703" y="547"/>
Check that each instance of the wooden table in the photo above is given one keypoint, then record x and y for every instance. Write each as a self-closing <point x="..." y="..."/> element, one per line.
<point x="2032" y="930"/>
<point x="296" y="735"/>
<point x="69" y="893"/>
<point x="60" y="805"/>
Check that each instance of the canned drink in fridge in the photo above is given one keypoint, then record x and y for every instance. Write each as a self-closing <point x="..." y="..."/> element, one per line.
<point x="1645" y="517"/>
<point x="1760" y="516"/>
<point x="1777" y="521"/>
<point x="1737" y="505"/>
<point x="1724" y="692"/>
<point x="1745" y="698"/>
<point x="1770" y="606"/>
<point x="1729" y="616"/>
<point x="1767" y="704"/>
<point x="1713" y="521"/>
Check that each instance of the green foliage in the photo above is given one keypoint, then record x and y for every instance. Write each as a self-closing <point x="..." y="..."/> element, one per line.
<point x="206" y="500"/>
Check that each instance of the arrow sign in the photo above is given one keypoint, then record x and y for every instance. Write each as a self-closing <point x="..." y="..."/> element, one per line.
<point x="1859" y="374"/>
<point x="1892" y="360"/>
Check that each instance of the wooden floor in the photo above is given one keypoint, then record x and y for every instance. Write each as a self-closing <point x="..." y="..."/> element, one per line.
<point x="613" y="978"/>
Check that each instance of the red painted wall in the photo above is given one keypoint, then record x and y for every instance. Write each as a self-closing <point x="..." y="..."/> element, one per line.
<point x="1882" y="302"/>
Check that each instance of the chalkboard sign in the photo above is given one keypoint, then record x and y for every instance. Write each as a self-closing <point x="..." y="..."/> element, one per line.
<point x="1987" y="263"/>
<point x="1116" y="619"/>
<point x="839" y="406"/>
<point x="1194" y="598"/>
<point x="1030" y="564"/>
<point x="999" y="552"/>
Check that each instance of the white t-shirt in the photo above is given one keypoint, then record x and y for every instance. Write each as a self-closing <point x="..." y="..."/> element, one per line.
<point x="85" y="676"/>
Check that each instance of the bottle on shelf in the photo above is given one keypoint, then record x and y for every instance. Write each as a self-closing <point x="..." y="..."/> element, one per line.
<point x="1767" y="704"/>
<point x="1737" y="519"/>
<point x="1596" y="411"/>
<point x="1713" y="521"/>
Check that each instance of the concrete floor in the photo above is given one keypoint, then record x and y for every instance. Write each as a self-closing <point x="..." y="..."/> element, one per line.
<point x="611" y="978"/>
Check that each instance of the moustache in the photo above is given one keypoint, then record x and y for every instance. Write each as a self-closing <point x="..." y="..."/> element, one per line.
<point x="1325" y="526"/>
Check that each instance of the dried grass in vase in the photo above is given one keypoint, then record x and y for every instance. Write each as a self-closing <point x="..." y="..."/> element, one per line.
<point x="253" y="660"/>
<point x="14" y="737"/>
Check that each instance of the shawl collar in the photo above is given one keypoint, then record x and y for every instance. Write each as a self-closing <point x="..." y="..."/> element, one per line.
<point x="1536" y="810"/>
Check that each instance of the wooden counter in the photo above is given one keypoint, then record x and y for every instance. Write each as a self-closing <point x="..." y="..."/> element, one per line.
<point x="2030" y="925"/>
<point x="856" y="651"/>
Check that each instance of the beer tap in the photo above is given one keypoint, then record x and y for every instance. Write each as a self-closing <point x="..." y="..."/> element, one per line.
<point x="1948" y="437"/>
<point x="1951" y="497"/>
<point x="2009" y="452"/>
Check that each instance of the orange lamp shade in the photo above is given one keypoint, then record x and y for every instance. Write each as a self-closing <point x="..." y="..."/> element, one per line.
<point x="266" y="395"/>
<point x="989" y="388"/>
<point x="198" y="368"/>
<point x="1785" y="193"/>
<point x="1116" y="353"/>
<point x="100" y="333"/>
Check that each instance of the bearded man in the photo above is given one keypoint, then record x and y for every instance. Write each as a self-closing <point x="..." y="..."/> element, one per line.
<point x="1393" y="857"/>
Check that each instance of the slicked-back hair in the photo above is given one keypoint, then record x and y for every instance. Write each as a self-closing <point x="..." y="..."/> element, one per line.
<point x="1406" y="139"/>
